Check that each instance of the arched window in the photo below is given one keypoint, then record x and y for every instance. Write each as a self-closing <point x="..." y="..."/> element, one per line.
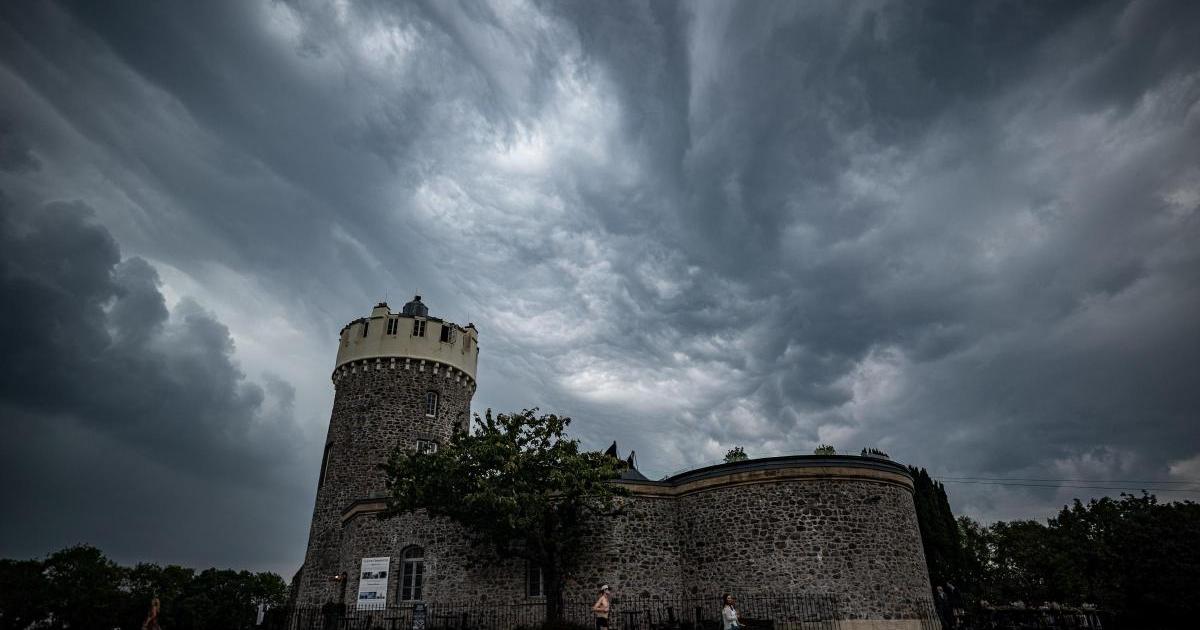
<point x="431" y="404"/>
<point x="412" y="573"/>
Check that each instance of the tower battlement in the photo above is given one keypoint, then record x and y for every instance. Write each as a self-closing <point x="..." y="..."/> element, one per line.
<point x="410" y="334"/>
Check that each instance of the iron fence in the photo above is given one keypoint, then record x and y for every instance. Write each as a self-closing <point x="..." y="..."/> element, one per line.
<point x="776" y="612"/>
<point x="1007" y="618"/>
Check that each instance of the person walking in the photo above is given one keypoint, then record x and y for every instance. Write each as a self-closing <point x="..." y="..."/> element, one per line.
<point x="729" y="613"/>
<point x="941" y="603"/>
<point x="151" y="622"/>
<point x="600" y="608"/>
<point x="955" y="600"/>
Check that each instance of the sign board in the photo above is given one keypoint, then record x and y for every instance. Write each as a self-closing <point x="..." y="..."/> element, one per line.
<point x="373" y="583"/>
<point x="418" y="616"/>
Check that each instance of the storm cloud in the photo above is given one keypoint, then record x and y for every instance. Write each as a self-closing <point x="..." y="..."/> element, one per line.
<point x="965" y="233"/>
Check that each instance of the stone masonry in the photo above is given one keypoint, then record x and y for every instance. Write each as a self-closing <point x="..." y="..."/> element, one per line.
<point x="839" y="525"/>
<point x="378" y="407"/>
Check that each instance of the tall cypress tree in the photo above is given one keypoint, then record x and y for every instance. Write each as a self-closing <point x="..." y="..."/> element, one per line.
<point x="939" y="531"/>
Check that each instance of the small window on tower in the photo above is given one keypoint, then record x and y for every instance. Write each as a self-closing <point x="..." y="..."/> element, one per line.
<point x="431" y="404"/>
<point x="418" y="328"/>
<point x="366" y="325"/>
<point x="324" y="465"/>
<point x="448" y="333"/>
<point x="392" y="325"/>
<point x="425" y="447"/>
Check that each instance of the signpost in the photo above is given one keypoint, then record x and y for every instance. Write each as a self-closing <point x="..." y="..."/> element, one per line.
<point x="373" y="583"/>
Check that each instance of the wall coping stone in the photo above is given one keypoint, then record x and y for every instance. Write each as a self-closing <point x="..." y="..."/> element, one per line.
<point x="751" y="471"/>
<point x="775" y="469"/>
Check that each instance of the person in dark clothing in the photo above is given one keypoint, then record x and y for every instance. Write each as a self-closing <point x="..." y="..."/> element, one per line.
<point x="954" y="597"/>
<point x="941" y="603"/>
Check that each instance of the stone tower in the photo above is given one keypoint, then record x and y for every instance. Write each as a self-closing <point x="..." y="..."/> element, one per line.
<point x="401" y="380"/>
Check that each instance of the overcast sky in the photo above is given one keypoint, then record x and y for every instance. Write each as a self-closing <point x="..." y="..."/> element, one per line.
<point x="964" y="233"/>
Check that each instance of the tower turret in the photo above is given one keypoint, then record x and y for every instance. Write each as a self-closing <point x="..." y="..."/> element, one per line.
<point x="401" y="380"/>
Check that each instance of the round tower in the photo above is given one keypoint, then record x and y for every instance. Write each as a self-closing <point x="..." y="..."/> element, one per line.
<point x="401" y="380"/>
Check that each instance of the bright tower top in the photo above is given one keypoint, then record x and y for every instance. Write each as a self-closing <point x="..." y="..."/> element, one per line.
<point x="411" y="335"/>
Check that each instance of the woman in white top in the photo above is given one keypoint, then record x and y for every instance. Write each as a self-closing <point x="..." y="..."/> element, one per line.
<point x="729" y="614"/>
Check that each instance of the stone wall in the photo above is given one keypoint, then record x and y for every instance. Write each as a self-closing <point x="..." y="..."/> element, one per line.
<point x="637" y="551"/>
<point x="378" y="406"/>
<point x="833" y="525"/>
<point x="450" y="575"/>
<point x="855" y="539"/>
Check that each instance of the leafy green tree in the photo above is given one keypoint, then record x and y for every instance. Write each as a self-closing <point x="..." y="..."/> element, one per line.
<point x="975" y="570"/>
<point x="145" y="582"/>
<point x="226" y="599"/>
<point x="23" y="594"/>
<point x="736" y="454"/>
<point x="1133" y="557"/>
<point x="84" y="589"/>
<point x="824" y="449"/>
<point x="518" y="486"/>
<point x="79" y="588"/>
<point x="1023" y="561"/>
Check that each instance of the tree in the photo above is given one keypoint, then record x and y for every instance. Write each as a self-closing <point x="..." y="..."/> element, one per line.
<point x="736" y="454"/>
<point x="975" y="553"/>
<point x="227" y="599"/>
<point x="939" y="531"/>
<point x="517" y="486"/>
<point x="84" y="589"/>
<point x="23" y="594"/>
<point x="147" y="581"/>
<point x="824" y="449"/>
<point x="81" y="589"/>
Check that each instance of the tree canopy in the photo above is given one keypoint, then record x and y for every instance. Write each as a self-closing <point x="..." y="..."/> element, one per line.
<point x="81" y="589"/>
<point x="1132" y="556"/>
<point x="517" y="485"/>
<point x="939" y="531"/>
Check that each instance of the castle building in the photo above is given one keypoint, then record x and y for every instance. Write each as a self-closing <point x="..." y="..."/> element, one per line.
<point x="839" y="525"/>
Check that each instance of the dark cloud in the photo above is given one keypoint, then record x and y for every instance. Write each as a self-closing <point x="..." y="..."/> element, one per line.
<point x="121" y="412"/>
<point x="963" y="232"/>
<point x="15" y="153"/>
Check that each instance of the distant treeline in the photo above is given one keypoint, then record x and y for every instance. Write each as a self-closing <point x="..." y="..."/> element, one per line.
<point x="81" y="589"/>
<point x="1133" y="557"/>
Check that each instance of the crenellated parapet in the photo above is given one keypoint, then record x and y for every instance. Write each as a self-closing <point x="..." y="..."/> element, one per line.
<point x="410" y="334"/>
<point x="451" y="374"/>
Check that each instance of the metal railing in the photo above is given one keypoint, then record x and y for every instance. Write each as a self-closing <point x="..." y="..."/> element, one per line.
<point x="774" y="612"/>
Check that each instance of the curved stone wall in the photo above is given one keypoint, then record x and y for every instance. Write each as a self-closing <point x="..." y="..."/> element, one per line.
<point x="844" y="526"/>
<point x="377" y="407"/>
<point x="857" y="539"/>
